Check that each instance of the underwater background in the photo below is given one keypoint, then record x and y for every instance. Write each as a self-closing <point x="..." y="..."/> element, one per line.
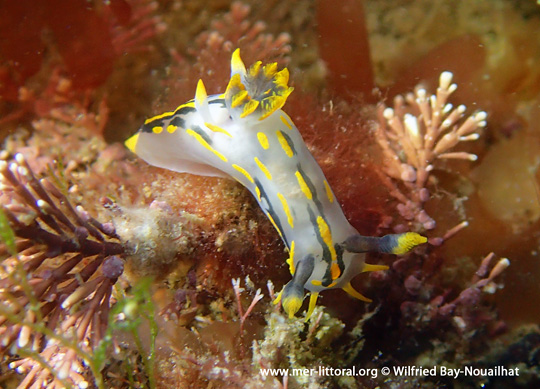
<point x="118" y="274"/>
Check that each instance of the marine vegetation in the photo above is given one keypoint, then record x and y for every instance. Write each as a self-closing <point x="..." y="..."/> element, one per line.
<point x="116" y="272"/>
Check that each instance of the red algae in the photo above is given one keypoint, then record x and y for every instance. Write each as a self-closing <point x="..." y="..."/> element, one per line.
<point x="464" y="56"/>
<point x="344" y="47"/>
<point x="83" y="40"/>
<point x="342" y="144"/>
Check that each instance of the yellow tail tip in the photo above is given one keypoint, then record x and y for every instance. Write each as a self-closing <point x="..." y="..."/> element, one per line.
<point x="291" y="305"/>
<point x="407" y="241"/>
<point x="131" y="142"/>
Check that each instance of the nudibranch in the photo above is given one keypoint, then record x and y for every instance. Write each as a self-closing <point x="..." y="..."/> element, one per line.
<point x="244" y="134"/>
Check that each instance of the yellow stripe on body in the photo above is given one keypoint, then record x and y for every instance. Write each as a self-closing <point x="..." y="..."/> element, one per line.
<point x="263" y="168"/>
<point x="274" y="224"/>
<point x="205" y="144"/>
<point x="189" y="104"/>
<point x="286" y="209"/>
<point x="258" y="191"/>
<point x="215" y="128"/>
<point x="263" y="140"/>
<point x="334" y="270"/>
<point x="157" y="117"/>
<point x="285" y="121"/>
<point x="245" y="173"/>
<point x="303" y="185"/>
<point x="290" y="261"/>
<point x="284" y="144"/>
<point x="328" y="192"/>
<point x="326" y="236"/>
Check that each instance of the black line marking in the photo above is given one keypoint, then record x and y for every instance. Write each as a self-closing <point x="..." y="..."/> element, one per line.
<point x="339" y="254"/>
<point x="203" y="134"/>
<point x="178" y="121"/>
<point x="289" y="142"/>
<point x="174" y="118"/>
<point x="272" y="212"/>
<point x="184" y="109"/>
<point x="148" y="127"/>
<point x="218" y="101"/>
<point x="314" y="196"/>
<point x="327" y="257"/>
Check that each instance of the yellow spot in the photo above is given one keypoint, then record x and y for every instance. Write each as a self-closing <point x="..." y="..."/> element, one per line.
<point x="285" y="121"/>
<point x="326" y="236"/>
<point x="284" y="144"/>
<point x="249" y="107"/>
<point x="171" y="128"/>
<point x="215" y="128"/>
<point x="157" y="129"/>
<point x="205" y="144"/>
<point x="258" y="191"/>
<point x="303" y="185"/>
<point x="312" y="303"/>
<point x="334" y="270"/>
<point x="200" y="93"/>
<point x="316" y="282"/>
<point x="407" y="241"/>
<point x="263" y="140"/>
<point x="367" y="267"/>
<point x="290" y="261"/>
<point x="263" y="168"/>
<point x="291" y="305"/>
<point x="245" y="173"/>
<point x="328" y="192"/>
<point x="350" y="290"/>
<point x="286" y="209"/>
<point x="131" y="142"/>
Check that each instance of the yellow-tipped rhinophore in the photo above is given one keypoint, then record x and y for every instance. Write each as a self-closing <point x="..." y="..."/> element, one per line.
<point x="200" y="93"/>
<point x="407" y="241"/>
<point x="237" y="65"/>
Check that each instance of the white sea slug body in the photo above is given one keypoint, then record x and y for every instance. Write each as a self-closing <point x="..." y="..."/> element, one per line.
<point x="244" y="134"/>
